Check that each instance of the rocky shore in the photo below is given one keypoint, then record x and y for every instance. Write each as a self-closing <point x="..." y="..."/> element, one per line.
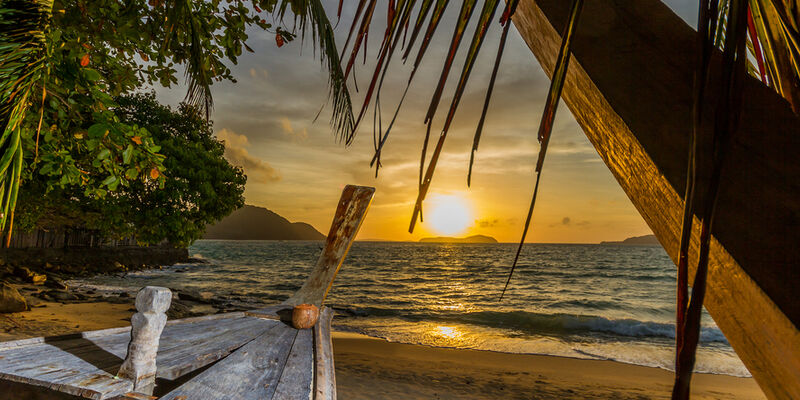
<point x="25" y="289"/>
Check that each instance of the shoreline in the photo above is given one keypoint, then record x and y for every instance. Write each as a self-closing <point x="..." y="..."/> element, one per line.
<point x="373" y="368"/>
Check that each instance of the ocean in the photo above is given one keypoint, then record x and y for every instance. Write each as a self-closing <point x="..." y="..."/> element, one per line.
<point x="606" y="302"/>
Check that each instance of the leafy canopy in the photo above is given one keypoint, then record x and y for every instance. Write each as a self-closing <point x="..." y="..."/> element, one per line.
<point x="201" y="186"/>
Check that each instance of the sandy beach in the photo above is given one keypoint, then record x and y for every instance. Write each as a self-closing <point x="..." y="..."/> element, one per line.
<point x="368" y="368"/>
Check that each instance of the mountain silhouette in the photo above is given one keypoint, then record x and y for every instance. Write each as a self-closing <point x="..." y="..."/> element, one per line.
<point x="258" y="223"/>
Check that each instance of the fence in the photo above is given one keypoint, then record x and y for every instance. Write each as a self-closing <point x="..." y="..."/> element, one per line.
<point x="47" y="239"/>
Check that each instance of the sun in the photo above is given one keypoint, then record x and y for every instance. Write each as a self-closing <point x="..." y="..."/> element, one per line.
<point x="448" y="214"/>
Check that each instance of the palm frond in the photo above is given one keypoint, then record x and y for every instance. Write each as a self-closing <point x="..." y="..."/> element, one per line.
<point x="342" y="119"/>
<point x="548" y="117"/>
<point x="511" y="7"/>
<point x="23" y="51"/>
<point x="726" y="119"/>
<point x="198" y="77"/>
<point x="779" y="39"/>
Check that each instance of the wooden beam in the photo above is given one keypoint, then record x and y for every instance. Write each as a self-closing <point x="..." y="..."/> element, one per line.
<point x="324" y="370"/>
<point x="629" y="86"/>
<point x="350" y="213"/>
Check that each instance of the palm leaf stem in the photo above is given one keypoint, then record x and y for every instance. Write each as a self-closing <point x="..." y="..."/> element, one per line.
<point x="548" y="117"/>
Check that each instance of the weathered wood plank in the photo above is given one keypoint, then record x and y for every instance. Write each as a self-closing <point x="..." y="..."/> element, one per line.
<point x="629" y="86"/>
<point x="324" y="371"/>
<point x="271" y="312"/>
<point x="205" y="346"/>
<point x="139" y="365"/>
<point x="78" y="364"/>
<point x="350" y="213"/>
<point x="251" y="372"/>
<point x="297" y="380"/>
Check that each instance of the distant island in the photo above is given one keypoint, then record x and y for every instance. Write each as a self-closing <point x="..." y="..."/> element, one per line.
<point x="638" y="241"/>
<point x="470" y="239"/>
<point x="258" y="223"/>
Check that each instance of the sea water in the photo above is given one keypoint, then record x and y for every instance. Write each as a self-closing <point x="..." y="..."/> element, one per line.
<point x="606" y="302"/>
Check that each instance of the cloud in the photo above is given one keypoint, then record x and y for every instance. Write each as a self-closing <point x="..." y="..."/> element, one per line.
<point x="487" y="223"/>
<point x="236" y="153"/>
<point x="259" y="73"/>
<point x="288" y="130"/>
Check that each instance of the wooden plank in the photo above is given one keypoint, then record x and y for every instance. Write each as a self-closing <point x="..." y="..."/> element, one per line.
<point x="349" y="215"/>
<point x="297" y="380"/>
<point x="84" y="364"/>
<point x="275" y="312"/>
<point x="324" y="371"/>
<point x="629" y="86"/>
<point x="251" y="372"/>
<point x="204" y="345"/>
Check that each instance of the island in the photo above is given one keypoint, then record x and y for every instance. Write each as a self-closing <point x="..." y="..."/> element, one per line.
<point x="469" y="239"/>
<point x="258" y="223"/>
<point x="646" y="240"/>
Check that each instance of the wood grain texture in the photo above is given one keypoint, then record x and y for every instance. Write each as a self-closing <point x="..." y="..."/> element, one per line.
<point x="297" y="379"/>
<point x="251" y="372"/>
<point x="629" y="86"/>
<point x="350" y="213"/>
<point x="324" y="369"/>
<point x="84" y="364"/>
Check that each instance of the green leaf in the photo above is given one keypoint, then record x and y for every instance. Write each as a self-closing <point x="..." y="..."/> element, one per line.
<point x="91" y="74"/>
<point x="131" y="173"/>
<point x="110" y="180"/>
<point x="104" y="154"/>
<point x="126" y="154"/>
<point x="98" y="130"/>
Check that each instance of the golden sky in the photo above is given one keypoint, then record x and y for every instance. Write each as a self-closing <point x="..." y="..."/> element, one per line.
<point x="296" y="167"/>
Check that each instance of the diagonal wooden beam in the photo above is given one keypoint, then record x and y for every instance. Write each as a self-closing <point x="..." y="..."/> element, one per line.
<point x="350" y="213"/>
<point x="629" y="86"/>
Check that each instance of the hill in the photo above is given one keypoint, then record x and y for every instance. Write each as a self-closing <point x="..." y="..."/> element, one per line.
<point x="258" y="223"/>
<point x="469" y="239"/>
<point x="638" y="240"/>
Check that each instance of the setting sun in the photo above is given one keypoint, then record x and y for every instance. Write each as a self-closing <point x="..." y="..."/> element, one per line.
<point x="448" y="214"/>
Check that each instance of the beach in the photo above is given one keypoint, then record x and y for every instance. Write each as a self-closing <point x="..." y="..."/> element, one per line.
<point x="369" y="368"/>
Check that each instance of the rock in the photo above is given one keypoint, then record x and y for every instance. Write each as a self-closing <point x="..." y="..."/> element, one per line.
<point x="32" y="301"/>
<point x="22" y="273"/>
<point x="124" y="294"/>
<point x="37" y="279"/>
<point x="11" y="300"/>
<point x="179" y="310"/>
<point x="202" y="297"/>
<point x="60" y="295"/>
<point x="56" y="283"/>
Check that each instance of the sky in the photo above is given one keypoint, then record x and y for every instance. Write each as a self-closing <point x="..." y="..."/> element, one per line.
<point x="297" y="168"/>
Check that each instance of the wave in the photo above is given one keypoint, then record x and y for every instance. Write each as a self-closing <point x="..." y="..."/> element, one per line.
<point x="557" y="324"/>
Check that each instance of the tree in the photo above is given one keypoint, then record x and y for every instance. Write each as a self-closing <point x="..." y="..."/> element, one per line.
<point x="64" y="63"/>
<point x="200" y="188"/>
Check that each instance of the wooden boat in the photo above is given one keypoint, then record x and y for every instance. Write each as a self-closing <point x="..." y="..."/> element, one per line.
<point x="629" y="86"/>
<point x="242" y="355"/>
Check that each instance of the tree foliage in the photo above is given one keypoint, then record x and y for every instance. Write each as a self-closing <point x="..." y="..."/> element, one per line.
<point x="65" y="61"/>
<point x="199" y="188"/>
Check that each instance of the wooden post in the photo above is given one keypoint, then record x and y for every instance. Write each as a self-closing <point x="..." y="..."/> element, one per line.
<point x="349" y="215"/>
<point x="629" y="86"/>
<point x="146" y="325"/>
